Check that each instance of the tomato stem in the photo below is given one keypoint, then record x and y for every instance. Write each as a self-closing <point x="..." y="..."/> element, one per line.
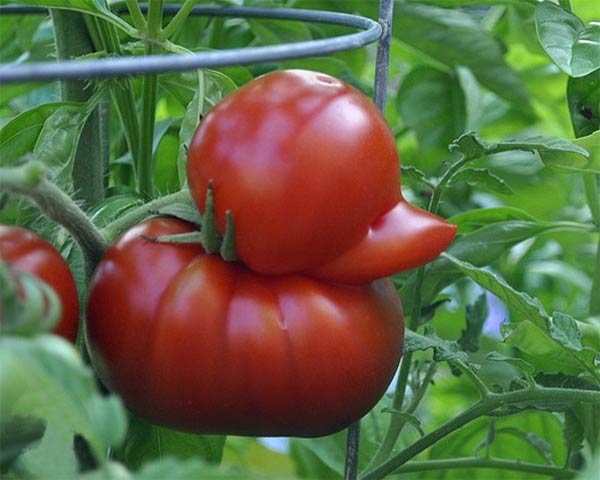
<point x="136" y="15"/>
<point x="73" y="40"/>
<point x="137" y="215"/>
<point x="28" y="180"/>
<point x="493" y="403"/>
<point x="177" y="21"/>
<point x="487" y="462"/>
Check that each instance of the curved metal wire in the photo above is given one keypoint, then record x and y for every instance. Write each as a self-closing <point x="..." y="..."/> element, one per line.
<point x="371" y="31"/>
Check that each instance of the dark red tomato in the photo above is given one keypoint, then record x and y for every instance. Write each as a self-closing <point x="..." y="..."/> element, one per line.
<point x="308" y="166"/>
<point x="195" y="343"/>
<point x="26" y="251"/>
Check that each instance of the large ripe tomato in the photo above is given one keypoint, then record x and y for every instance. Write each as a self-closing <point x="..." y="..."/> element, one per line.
<point x="309" y="169"/>
<point x="26" y="251"/>
<point x="195" y="343"/>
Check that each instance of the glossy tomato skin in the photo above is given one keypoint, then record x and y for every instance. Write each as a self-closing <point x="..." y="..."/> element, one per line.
<point x="26" y="251"/>
<point x="198" y="344"/>
<point x="305" y="163"/>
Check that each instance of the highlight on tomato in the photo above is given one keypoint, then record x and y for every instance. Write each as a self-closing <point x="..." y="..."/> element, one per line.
<point x="26" y="251"/>
<point x="195" y="343"/>
<point x="309" y="170"/>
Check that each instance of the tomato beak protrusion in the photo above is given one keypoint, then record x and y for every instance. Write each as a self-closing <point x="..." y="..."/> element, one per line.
<point x="403" y="238"/>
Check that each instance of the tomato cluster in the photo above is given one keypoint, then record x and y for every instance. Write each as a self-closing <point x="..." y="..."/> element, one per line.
<point x="302" y="335"/>
<point x="26" y="251"/>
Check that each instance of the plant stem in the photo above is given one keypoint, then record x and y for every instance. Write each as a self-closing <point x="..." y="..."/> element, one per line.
<point x="434" y="203"/>
<point x="594" y="293"/>
<point x="485" y="406"/>
<point x="177" y="21"/>
<point x="481" y="387"/>
<point x="121" y="89"/>
<point x="139" y="214"/>
<point x="397" y="422"/>
<point x="135" y="11"/>
<point x="145" y="168"/>
<point x="28" y="180"/>
<point x="73" y="40"/>
<point x="592" y="195"/>
<point x="495" y="463"/>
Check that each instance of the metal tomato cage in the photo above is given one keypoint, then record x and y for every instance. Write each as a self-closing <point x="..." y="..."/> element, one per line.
<point x="370" y="31"/>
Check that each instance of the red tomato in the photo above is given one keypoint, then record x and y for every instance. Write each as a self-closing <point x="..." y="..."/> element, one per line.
<point x="26" y="251"/>
<point x="195" y="343"/>
<point x="308" y="167"/>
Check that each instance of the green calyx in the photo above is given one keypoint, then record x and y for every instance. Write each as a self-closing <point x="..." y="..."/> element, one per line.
<point x="208" y="235"/>
<point x="28" y="306"/>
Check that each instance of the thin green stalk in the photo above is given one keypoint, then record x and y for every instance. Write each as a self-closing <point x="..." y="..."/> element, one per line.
<point x="114" y="229"/>
<point x="28" y="180"/>
<point x="594" y="293"/>
<point x="397" y="422"/>
<point x="483" y="407"/>
<point x="471" y="375"/>
<point x="149" y="95"/>
<point x="136" y="15"/>
<point x="122" y="89"/>
<point x="177" y="21"/>
<point x="487" y="463"/>
<point x="73" y="40"/>
<point x="592" y="195"/>
<point x="434" y="203"/>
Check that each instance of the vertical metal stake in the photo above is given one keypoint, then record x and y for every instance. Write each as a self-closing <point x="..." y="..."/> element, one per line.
<point x="386" y="15"/>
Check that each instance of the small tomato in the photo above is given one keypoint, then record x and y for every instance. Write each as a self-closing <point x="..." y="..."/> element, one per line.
<point x="26" y="251"/>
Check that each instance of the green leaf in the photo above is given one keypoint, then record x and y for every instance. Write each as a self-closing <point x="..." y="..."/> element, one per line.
<point x="19" y="136"/>
<point x="98" y="8"/>
<point x="18" y="433"/>
<point x="563" y="328"/>
<point x="56" y="145"/>
<point x="522" y="365"/>
<point x="537" y="442"/>
<point x="146" y="442"/>
<point x="443" y="350"/>
<point x="573" y="162"/>
<point x="482" y="178"/>
<point x="583" y="95"/>
<point x="475" y="317"/>
<point x="408" y="418"/>
<point x="573" y="46"/>
<point x="480" y="248"/>
<point x="545" y="353"/>
<point x="188" y="127"/>
<point x="454" y="38"/>
<point x="432" y="103"/>
<point x="480" y="217"/>
<point x="415" y="174"/>
<point x="574" y="432"/>
<point x="519" y="303"/>
<point x="45" y="377"/>
<point x="471" y="146"/>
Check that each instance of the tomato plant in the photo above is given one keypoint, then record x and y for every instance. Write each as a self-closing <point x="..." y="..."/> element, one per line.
<point x="226" y="350"/>
<point x="309" y="169"/>
<point x="494" y="108"/>
<point x="24" y="250"/>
